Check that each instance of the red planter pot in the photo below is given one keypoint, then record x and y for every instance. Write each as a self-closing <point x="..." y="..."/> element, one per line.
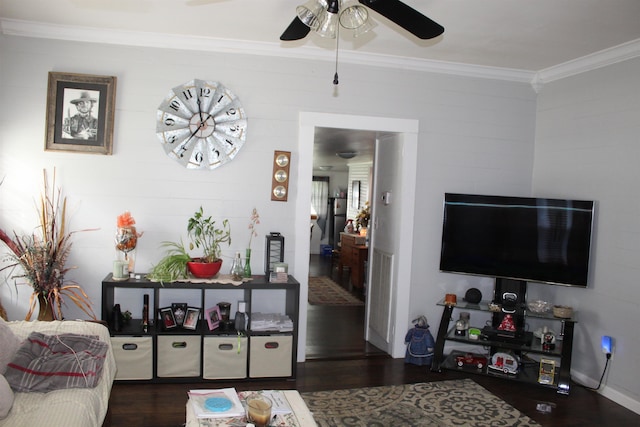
<point x="204" y="270"/>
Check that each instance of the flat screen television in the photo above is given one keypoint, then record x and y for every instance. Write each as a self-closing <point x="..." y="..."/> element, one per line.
<point x="522" y="238"/>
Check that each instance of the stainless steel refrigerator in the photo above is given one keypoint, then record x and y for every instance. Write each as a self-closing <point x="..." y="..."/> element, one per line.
<point x="337" y="219"/>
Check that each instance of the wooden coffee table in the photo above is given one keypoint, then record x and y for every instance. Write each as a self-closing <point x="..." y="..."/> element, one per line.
<point x="300" y="417"/>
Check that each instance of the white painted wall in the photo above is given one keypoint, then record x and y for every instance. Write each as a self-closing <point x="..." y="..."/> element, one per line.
<point x="459" y="115"/>
<point x="474" y="135"/>
<point x="587" y="147"/>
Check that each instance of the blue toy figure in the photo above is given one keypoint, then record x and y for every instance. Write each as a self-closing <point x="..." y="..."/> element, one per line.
<point x="420" y="343"/>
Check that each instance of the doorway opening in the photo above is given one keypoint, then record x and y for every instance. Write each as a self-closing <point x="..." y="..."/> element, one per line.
<point x="336" y="331"/>
<point x="399" y="177"/>
<point x="337" y="289"/>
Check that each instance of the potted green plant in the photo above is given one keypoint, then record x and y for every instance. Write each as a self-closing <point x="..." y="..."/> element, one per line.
<point x="173" y="266"/>
<point x="205" y="235"/>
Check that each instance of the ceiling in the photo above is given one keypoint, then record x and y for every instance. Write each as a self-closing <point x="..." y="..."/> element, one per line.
<point x="517" y="34"/>
<point x="525" y="35"/>
<point x="328" y="142"/>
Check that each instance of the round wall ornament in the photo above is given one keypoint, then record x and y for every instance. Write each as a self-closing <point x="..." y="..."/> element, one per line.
<point x="201" y="124"/>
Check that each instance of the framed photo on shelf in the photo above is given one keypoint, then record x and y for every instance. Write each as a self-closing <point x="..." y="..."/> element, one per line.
<point x="167" y="318"/>
<point x="191" y="318"/>
<point x="213" y="317"/>
<point x="80" y="113"/>
<point x="179" y="312"/>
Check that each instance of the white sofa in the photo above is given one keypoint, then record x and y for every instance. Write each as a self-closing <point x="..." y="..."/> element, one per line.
<point x="81" y="407"/>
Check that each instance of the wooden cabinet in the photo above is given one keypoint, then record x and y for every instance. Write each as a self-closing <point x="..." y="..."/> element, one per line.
<point x="182" y="355"/>
<point x="354" y="254"/>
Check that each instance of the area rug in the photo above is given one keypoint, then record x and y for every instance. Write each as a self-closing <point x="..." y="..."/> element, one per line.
<point x="440" y="403"/>
<point x="324" y="291"/>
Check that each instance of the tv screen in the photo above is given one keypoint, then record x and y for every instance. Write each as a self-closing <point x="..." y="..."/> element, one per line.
<point x="522" y="238"/>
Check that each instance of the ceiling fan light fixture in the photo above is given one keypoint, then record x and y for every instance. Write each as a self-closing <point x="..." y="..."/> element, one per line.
<point x="310" y="12"/>
<point x="353" y="15"/>
<point x="364" y="28"/>
<point x="346" y="154"/>
<point x="317" y="15"/>
<point x="328" y="22"/>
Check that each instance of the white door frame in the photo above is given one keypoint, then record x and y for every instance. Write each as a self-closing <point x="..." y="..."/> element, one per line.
<point x="409" y="132"/>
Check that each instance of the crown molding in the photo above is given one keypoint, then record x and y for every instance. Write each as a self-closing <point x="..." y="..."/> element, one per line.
<point x="590" y="62"/>
<point x="172" y="41"/>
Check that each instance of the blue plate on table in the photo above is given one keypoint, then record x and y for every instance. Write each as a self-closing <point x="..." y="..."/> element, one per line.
<point x="217" y="404"/>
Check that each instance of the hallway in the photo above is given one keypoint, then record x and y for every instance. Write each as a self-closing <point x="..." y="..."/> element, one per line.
<point x="336" y="332"/>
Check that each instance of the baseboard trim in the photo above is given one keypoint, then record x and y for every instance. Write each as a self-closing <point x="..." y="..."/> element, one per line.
<point x="608" y="392"/>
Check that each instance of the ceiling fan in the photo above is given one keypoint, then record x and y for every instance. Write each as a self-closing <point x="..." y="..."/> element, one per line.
<point x="325" y="16"/>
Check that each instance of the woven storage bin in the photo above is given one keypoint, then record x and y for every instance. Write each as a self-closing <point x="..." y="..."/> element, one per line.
<point x="134" y="357"/>
<point x="270" y="356"/>
<point x="563" y="311"/>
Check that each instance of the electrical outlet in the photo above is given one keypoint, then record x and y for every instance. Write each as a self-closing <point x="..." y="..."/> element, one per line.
<point x="607" y="344"/>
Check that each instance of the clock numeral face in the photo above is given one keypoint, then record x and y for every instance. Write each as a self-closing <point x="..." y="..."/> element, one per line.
<point x="175" y="108"/>
<point x="172" y="138"/>
<point x="201" y="124"/>
<point x="235" y="129"/>
<point x="181" y="150"/>
<point x="230" y="112"/>
<point x="167" y="121"/>
<point x="205" y="91"/>
<point x="187" y="95"/>
<point x="197" y="155"/>
<point x="175" y="105"/>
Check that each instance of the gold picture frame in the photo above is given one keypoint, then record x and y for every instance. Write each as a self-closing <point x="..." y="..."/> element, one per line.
<point x="80" y="113"/>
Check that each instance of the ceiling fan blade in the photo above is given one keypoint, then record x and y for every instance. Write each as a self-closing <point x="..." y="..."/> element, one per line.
<point x="295" y="31"/>
<point x="406" y="17"/>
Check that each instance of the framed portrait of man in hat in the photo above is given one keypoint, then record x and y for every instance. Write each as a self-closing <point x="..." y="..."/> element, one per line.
<point x="80" y="113"/>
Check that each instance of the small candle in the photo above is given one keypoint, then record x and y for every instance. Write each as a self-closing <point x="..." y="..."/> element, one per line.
<point x="120" y="270"/>
<point x="259" y="410"/>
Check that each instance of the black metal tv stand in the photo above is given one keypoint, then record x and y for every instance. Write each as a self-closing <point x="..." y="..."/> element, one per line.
<point x="528" y="372"/>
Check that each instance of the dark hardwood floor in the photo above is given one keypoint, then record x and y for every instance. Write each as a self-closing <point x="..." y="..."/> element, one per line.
<point x="336" y="332"/>
<point x="346" y="361"/>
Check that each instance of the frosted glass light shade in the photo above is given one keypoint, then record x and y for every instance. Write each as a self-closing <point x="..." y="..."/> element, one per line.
<point x="353" y="15"/>
<point x="364" y="28"/>
<point x="328" y="25"/>
<point x="310" y="12"/>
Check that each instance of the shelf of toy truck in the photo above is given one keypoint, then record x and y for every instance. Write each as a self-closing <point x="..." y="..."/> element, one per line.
<point x="520" y="345"/>
<point x="535" y="347"/>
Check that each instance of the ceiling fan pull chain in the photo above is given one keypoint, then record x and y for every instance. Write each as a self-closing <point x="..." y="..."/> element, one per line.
<point x="335" y="76"/>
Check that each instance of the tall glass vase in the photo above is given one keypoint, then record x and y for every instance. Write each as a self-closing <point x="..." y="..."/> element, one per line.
<point x="237" y="272"/>
<point x="247" y="264"/>
<point x="126" y="242"/>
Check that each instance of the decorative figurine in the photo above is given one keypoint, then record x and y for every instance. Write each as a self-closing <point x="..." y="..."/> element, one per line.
<point x="507" y="324"/>
<point x="420" y="343"/>
<point x="548" y="341"/>
<point x="126" y="240"/>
